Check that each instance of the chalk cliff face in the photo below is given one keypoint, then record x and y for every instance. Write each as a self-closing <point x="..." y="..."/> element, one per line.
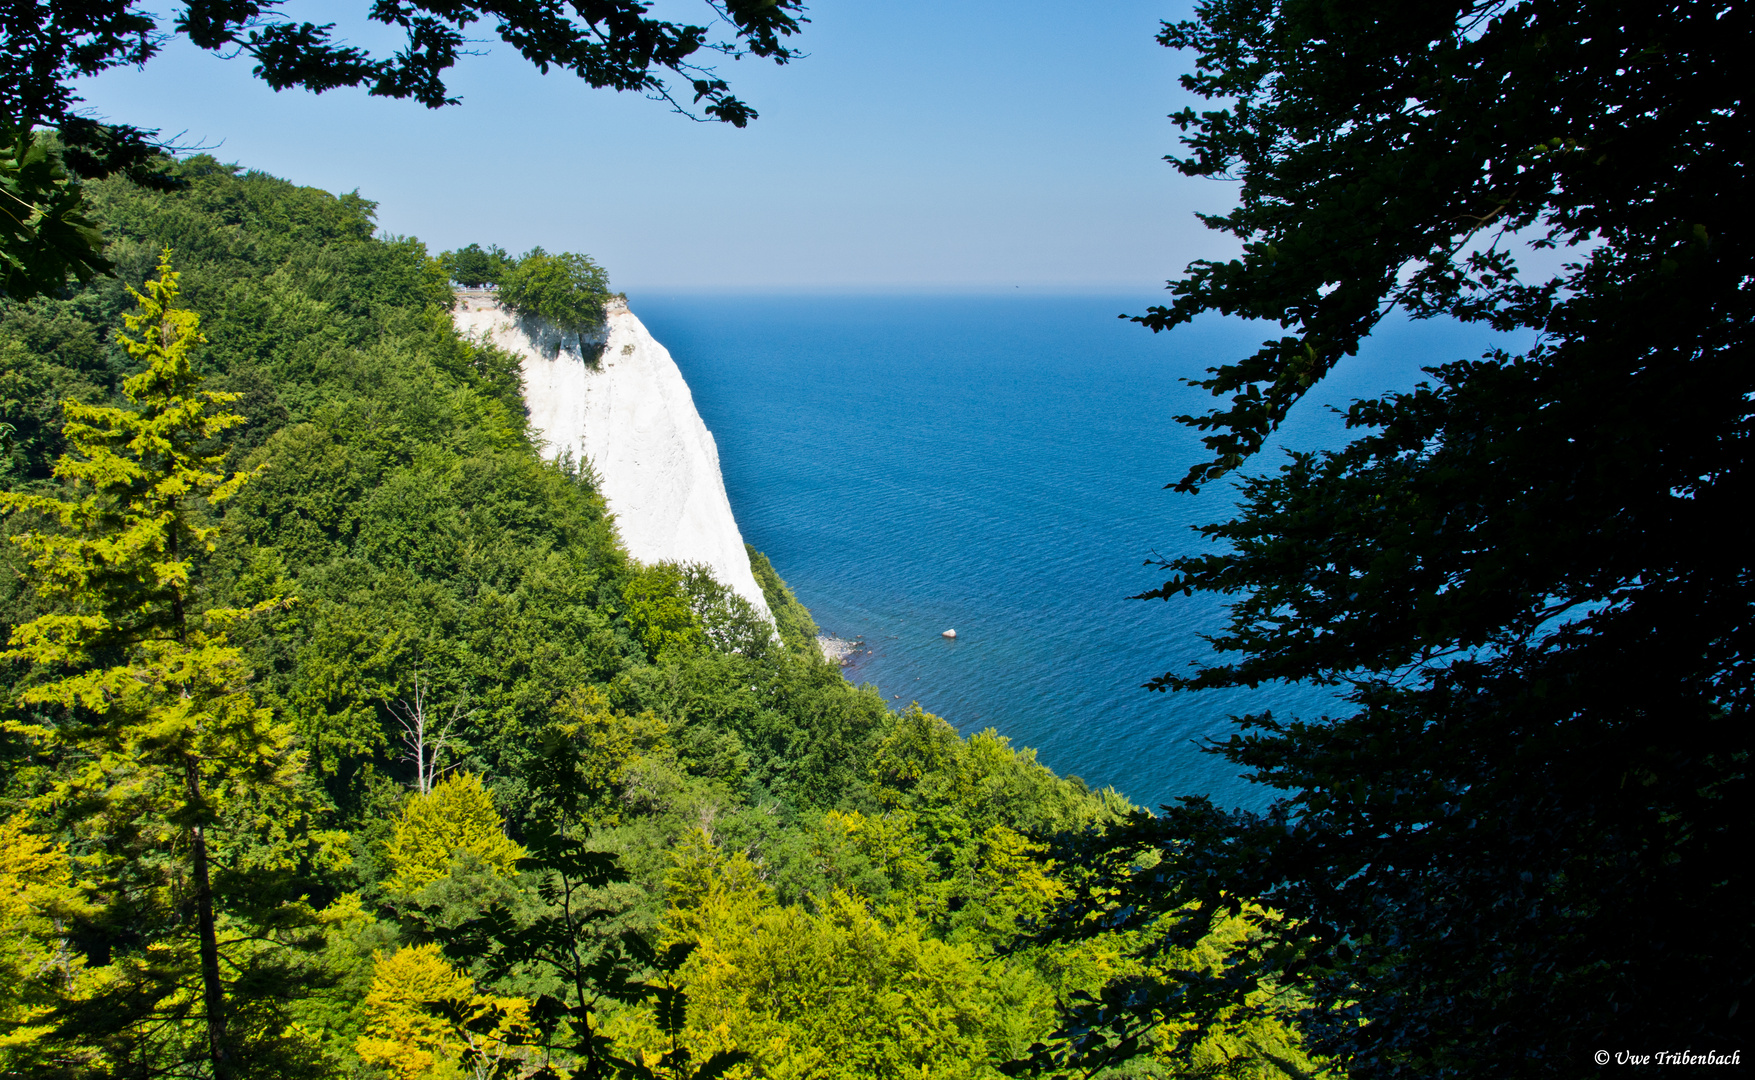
<point x="632" y="417"/>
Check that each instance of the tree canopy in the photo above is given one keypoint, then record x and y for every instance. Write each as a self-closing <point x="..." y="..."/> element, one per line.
<point x="45" y="47"/>
<point x="473" y="267"/>
<point x="568" y="289"/>
<point x="1514" y="843"/>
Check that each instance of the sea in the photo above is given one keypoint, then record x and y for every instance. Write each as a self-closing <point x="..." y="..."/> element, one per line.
<point x="997" y="465"/>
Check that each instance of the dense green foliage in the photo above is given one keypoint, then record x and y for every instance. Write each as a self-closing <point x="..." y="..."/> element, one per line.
<point x="797" y="629"/>
<point x="515" y="799"/>
<point x="45" y="47"/>
<point x="474" y="267"/>
<point x="151" y="715"/>
<point x="566" y="291"/>
<point x="46" y="235"/>
<point x="1517" y="845"/>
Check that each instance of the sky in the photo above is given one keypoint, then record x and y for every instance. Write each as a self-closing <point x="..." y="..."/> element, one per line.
<point x="968" y="146"/>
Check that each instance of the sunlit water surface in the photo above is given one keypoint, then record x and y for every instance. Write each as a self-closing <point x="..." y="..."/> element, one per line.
<point x="996" y="465"/>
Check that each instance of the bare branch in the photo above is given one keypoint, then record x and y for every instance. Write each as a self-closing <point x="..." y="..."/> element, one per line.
<point x="423" y="747"/>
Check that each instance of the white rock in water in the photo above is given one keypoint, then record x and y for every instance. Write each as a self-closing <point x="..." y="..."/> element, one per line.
<point x="633" y="418"/>
<point x="949" y="634"/>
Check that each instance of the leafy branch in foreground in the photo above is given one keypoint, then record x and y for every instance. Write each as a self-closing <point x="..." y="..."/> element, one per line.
<point x="1519" y="570"/>
<point x="45" y="47"/>
<point x="46" y="234"/>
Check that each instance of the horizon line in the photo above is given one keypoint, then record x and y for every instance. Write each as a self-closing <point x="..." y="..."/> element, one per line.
<point x="893" y="289"/>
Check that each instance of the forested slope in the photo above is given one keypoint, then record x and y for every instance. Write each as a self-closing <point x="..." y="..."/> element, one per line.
<point x="472" y="696"/>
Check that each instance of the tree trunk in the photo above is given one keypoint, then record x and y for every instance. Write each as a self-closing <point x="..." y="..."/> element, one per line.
<point x="212" y="990"/>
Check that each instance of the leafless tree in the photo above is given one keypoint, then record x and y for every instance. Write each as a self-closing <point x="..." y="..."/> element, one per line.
<point x="422" y="744"/>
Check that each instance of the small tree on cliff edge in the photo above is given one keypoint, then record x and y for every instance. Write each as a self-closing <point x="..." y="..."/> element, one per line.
<point x="1517" y="846"/>
<point x="138" y="699"/>
<point x="473" y="267"/>
<point x="567" y="290"/>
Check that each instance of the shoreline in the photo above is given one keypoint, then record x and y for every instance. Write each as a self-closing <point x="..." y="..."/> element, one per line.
<point x="838" y="650"/>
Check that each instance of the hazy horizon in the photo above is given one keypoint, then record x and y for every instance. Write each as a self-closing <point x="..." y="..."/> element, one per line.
<point x="917" y="147"/>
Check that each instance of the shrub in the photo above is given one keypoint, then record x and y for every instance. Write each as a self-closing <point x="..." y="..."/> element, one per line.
<point x="568" y="290"/>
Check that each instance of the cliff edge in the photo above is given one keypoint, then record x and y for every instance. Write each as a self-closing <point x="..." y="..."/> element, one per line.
<point x="631" y="415"/>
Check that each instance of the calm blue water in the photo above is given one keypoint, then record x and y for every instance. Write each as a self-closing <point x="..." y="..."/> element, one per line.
<point x="997" y="465"/>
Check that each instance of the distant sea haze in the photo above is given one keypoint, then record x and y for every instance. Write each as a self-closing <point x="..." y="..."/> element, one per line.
<point x="996" y="465"/>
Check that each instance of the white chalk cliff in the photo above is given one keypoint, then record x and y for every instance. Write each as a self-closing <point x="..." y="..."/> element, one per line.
<point x="631" y="415"/>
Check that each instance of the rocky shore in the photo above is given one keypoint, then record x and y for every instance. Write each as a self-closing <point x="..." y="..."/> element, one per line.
<point x="838" y="650"/>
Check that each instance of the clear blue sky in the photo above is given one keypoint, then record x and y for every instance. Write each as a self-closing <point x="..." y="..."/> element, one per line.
<point x="971" y="145"/>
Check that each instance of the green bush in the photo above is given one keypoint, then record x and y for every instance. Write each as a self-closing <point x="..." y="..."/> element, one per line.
<point x="472" y="267"/>
<point x="568" y="290"/>
<point x="797" y="629"/>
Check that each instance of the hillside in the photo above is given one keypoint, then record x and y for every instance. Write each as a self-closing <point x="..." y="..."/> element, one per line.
<point x="611" y="755"/>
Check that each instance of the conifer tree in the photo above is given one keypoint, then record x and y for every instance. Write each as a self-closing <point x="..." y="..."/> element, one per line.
<point x="36" y="893"/>
<point x="139" y="698"/>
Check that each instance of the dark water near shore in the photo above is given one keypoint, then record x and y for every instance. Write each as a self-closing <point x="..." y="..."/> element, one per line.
<point x="997" y="465"/>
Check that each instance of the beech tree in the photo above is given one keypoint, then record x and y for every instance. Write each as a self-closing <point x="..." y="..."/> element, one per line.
<point x="579" y="958"/>
<point x="404" y="1036"/>
<point x="1514" y="845"/>
<point x="45" y="46"/>
<point x="473" y="267"/>
<point x="569" y="290"/>
<point x="456" y="815"/>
